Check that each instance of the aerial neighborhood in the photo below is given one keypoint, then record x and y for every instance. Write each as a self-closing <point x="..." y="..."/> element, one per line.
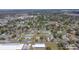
<point x="40" y="30"/>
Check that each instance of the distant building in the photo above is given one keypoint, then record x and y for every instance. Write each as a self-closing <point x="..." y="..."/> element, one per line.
<point x="26" y="47"/>
<point x="12" y="46"/>
<point x="38" y="46"/>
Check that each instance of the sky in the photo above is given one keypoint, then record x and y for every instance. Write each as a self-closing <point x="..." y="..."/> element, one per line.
<point x="38" y="4"/>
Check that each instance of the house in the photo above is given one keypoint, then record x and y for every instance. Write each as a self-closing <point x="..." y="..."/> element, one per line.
<point x="26" y="47"/>
<point x="28" y="36"/>
<point x="11" y="46"/>
<point x="38" y="46"/>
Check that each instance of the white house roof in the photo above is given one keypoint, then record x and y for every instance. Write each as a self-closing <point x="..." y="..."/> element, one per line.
<point x="38" y="45"/>
<point x="11" y="46"/>
<point x="29" y="36"/>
